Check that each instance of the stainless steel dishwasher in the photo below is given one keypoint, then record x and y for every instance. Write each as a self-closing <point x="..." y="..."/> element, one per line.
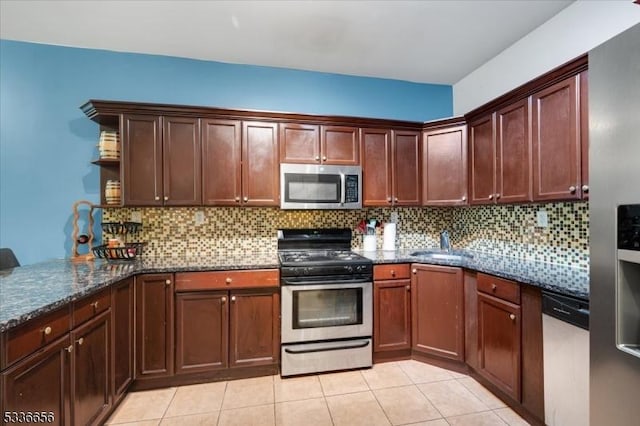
<point x="565" y="330"/>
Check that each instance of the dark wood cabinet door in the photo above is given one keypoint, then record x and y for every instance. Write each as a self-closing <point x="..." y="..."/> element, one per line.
<point x="499" y="343"/>
<point x="444" y="165"/>
<point x="154" y="325"/>
<point x="142" y="160"/>
<point x="376" y="167"/>
<point x="340" y="145"/>
<point x="90" y="370"/>
<point x="482" y="160"/>
<point x="122" y="342"/>
<point x="556" y="142"/>
<point x="513" y="173"/>
<point x="406" y="168"/>
<point x="39" y="383"/>
<point x="437" y="311"/>
<point x="391" y="315"/>
<point x="584" y="133"/>
<point x="471" y="319"/>
<point x="260" y="167"/>
<point x="254" y="327"/>
<point x="299" y="143"/>
<point x="181" y="154"/>
<point x="221" y="162"/>
<point x="202" y="331"/>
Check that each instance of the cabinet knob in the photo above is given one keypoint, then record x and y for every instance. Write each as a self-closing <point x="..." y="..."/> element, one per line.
<point x="233" y="298"/>
<point x="47" y="330"/>
<point x="95" y="305"/>
<point x="497" y="195"/>
<point x="393" y="273"/>
<point x="408" y="287"/>
<point x="585" y="188"/>
<point x="157" y="198"/>
<point x="69" y="348"/>
<point x="80" y="341"/>
<point x="491" y="196"/>
<point x="324" y="158"/>
<point x="415" y="271"/>
<point x="228" y="280"/>
<point x="494" y="287"/>
<point x="572" y="189"/>
<point x="317" y="158"/>
<point x="512" y="316"/>
<point x="388" y="199"/>
<point x="464" y="198"/>
<point x="223" y="299"/>
<point x="166" y="198"/>
<point x="168" y="282"/>
<point x="246" y="199"/>
<point x="237" y="199"/>
<point x="395" y="199"/>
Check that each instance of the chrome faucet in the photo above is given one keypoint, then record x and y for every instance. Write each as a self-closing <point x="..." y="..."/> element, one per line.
<point x="445" y="244"/>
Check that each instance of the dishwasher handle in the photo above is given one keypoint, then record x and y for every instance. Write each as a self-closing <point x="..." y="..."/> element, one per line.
<point x="565" y="308"/>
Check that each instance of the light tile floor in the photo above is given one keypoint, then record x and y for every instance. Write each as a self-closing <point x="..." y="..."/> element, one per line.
<point x="395" y="393"/>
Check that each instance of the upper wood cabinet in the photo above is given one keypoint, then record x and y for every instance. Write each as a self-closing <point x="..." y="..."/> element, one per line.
<point x="556" y="141"/>
<point x="390" y="167"/>
<point x="500" y="156"/>
<point x="260" y="167"/>
<point x="444" y="166"/>
<point x="314" y="144"/>
<point x="584" y="132"/>
<point x="221" y="162"/>
<point x="161" y="161"/>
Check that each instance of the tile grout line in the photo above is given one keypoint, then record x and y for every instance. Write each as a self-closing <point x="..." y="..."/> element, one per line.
<point x="376" y="399"/>
<point x="224" y="394"/>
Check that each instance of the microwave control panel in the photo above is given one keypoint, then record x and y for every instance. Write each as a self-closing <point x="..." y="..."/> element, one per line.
<point x="351" y="189"/>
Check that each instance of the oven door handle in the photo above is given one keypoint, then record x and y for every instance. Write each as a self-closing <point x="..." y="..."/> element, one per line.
<point x="325" y="282"/>
<point x="327" y="348"/>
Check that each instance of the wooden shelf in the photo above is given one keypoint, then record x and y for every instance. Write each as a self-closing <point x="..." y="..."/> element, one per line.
<point x="105" y="162"/>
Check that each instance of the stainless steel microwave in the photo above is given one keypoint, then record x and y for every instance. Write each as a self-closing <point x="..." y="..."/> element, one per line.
<point x="313" y="186"/>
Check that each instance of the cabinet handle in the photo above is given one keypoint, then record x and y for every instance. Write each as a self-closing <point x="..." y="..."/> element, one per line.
<point x="168" y="282"/>
<point x="157" y="198"/>
<point x="408" y="287"/>
<point x="393" y="273"/>
<point x="572" y="189"/>
<point x="415" y="271"/>
<point x="513" y="317"/>
<point x="494" y="287"/>
<point x="228" y="280"/>
<point x="80" y="341"/>
<point x="223" y="299"/>
<point x="246" y="199"/>
<point x="497" y="195"/>
<point x="317" y="158"/>
<point x="233" y="298"/>
<point x="324" y="158"/>
<point x="464" y="198"/>
<point x="69" y="348"/>
<point x="237" y="199"/>
<point x="388" y="199"/>
<point x="585" y="188"/>
<point x="166" y="198"/>
<point x="95" y="305"/>
<point x="47" y="330"/>
<point x="395" y="200"/>
<point x="491" y="196"/>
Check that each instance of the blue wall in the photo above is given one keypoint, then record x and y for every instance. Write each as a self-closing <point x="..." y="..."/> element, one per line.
<point x="47" y="143"/>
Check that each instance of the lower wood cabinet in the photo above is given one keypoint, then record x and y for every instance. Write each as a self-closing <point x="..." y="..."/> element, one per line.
<point x="437" y="311"/>
<point x="154" y="325"/>
<point x="122" y="311"/>
<point x="391" y="308"/>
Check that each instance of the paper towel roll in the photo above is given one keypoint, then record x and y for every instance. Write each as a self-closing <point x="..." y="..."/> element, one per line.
<point x="389" y="236"/>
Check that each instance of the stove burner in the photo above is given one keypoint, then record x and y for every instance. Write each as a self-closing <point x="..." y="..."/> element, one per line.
<point x="318" y="256"/>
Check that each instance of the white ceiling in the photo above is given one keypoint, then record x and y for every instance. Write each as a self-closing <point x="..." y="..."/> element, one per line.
<point x="420" y="41"/>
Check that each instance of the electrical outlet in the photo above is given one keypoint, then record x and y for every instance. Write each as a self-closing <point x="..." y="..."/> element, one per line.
<point x="199" y="218"/>
<point x="136" y="217"/>
<point x="542" y="219"/>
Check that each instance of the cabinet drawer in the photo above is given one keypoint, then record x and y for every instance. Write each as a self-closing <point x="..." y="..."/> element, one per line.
<point x="391" y="272"/>
<point x="499" y="287"/>
<point x="216" y="280"/>
<point x="36" y="333"/>
<point x="88" y="307"/>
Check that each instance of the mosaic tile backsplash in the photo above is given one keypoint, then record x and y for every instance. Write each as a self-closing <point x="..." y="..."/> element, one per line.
<point x="507" y="230"/>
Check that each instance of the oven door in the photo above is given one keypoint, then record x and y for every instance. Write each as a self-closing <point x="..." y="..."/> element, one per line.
<point x="323" y="311"/>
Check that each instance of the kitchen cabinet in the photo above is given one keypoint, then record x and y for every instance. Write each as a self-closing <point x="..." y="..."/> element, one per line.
<point x="221" y="162"/>
<point x="227" y="319"/>
<point x="154" y="325"/>
<point x="390" y="167"/>
<point x="471" y="319"/>
<point x="556" y="141"/>
<point x="437" y="311"/>
<point x="314" y="144"/>
<point x="161" y="162"/>
<point x="444" y="166"/>
<point x="122" y="310"/>
<point x="391" y="308"/>
<point x="260" y="167"/>
<point x="500" y="156"/>
<point x="499" y="333"/>
<point x="584" y="133"/>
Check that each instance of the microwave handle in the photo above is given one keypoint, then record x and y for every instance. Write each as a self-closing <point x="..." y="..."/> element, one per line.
<point x="342" y="189"/>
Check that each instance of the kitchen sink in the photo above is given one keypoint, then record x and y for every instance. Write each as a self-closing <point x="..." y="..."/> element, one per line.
<point x="439" y="255"/>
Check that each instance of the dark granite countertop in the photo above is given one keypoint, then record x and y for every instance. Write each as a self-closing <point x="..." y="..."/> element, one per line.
<point x="29" y="291"/>
<point x="561" y="279"/>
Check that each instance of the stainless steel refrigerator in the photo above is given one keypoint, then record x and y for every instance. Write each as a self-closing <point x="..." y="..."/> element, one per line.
<point x="614" y="158"/>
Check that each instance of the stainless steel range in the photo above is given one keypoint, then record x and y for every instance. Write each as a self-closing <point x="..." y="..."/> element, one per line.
<point x="327" y="302"/>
